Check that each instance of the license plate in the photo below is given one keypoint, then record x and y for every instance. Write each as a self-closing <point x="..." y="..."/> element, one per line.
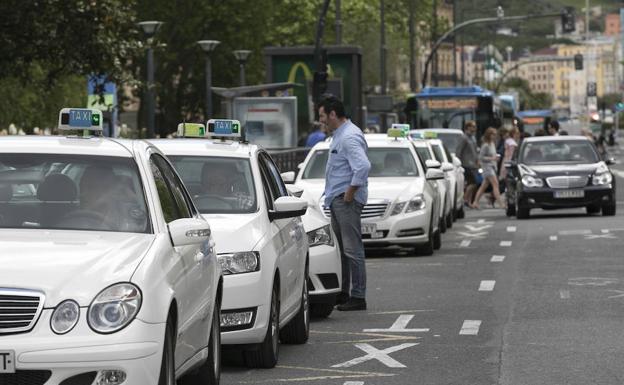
<point x="570" y="194"/>
<point x="369" y="228"/>
<point x="7" y="361"/>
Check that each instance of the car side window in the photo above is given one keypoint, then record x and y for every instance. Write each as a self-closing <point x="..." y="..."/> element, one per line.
<point x="275" y="175"/>
<point x="170" y="190"/>
<point x="270" y="192"/>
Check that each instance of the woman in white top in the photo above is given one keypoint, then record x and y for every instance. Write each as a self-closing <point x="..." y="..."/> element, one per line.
<point x="488" y="158"/>
<point x="511" y="143"/>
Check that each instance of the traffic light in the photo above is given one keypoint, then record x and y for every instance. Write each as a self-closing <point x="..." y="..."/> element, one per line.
<point x="578" y="61"/>
<point x="568" y="22"/>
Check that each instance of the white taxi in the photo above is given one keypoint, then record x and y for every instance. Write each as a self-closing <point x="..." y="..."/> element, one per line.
<point x="109" y="274"/>
<point x="403" y="200"/>
<point x="261" y="242"/>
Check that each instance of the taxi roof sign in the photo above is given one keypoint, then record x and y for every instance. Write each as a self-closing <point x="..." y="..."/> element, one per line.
<point x="80" y="119"/>
<point x="395" y="133"/>
<point x="425" y="135"/>
<point x="224" y="128"/>
<point x="403" y="127"/>
<point x="191" y="130"/>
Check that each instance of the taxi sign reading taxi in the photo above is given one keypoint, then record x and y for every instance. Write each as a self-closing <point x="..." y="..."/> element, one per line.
<point x="80" y="119"/>
<point x="224" y="127"/>
<point x="188" y="130"/>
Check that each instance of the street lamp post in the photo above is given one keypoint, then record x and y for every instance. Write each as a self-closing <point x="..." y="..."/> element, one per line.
<point x="242" y="55"/>
<point x="149" y="29"/>
<point x="208" y="46"/>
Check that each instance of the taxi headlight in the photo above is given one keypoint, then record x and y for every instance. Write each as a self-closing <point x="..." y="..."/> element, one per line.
<point x="320" y="236"/>
<point x="238" y="263"/>
<point x="531" y="181"/>
<point x="65" y="317"/>
<point x="417" y="203"/>
<point x="602" y="179"/>
<point x="114" y="308"/>
<point x="398" y="208"/>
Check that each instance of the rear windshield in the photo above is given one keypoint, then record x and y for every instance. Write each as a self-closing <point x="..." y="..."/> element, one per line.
<point x="71" y="192"/>
<point x="385" y="162"/>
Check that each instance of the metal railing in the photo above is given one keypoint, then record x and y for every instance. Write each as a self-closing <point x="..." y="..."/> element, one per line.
<point x="287" y="159"/>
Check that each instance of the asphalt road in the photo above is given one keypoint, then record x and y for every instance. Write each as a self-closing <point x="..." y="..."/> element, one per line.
<point x="538" y="301"/>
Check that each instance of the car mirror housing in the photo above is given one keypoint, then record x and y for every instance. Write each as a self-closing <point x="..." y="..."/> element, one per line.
<point x="434" y="174"/>
<point x="446" y="166"/>
<point x="189" y="231"/>
<point x="294" y="190"/>
<point x="288" y="207"/>
<point x="456" y="161"/>
<point x="430" y="163"/>
<point x="288" y="176"/>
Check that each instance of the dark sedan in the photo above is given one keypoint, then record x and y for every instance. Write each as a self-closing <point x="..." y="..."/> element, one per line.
<point x="552" y="172"/>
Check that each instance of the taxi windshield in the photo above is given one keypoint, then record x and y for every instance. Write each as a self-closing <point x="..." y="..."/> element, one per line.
<point x="218" y="184"/>
<point x="450" y="140"/>
<point x="385" y="162"/>
<point x="573" y="151"/>
<point x="71" y="192"/>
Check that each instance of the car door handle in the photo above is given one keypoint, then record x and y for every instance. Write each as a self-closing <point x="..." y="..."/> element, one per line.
<point x="199" y="257"/>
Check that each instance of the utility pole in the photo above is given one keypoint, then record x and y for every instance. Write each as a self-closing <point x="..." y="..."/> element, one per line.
<point x="454" y="44"/>
<point x="382" y="57"/>
<point x="434" y="32"/>
<point x="412" y="59"/>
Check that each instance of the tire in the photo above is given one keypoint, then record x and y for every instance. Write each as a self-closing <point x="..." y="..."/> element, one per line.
<point x="442" y="224"/>
<point x="449" y="220"/>
<point x="523" y="212"/>
<point x="297" y="331"/>
<point x="266" y="354"/>
<point x="608" y="210"/>
<point x="511" y="209"/>
<point x="427" y="248"/>
<point x="167" y="365"/>
<point x="209" y="373"/>
<point x="321" y="310"/>
<point x="592" y="209"/>
<point x="461" y="214"/>
<point x="437" y="240"/>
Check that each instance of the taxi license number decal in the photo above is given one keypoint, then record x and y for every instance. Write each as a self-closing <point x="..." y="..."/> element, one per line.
<point x="7" y="361"/>
<point x="570" y="194"/>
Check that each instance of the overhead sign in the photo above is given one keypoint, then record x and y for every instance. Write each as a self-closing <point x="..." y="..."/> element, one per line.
<point x="80" y="119"/>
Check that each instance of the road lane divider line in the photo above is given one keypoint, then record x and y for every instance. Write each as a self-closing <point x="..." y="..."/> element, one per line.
<point x="487" y="285"/>
<point x="553" y="238"/>
<point x="465" y="243"/>
<point x="505" y="243"/>
<point x="511" y="229"/>
<point x="470" y="328"/>
<point x="401" y="311"/>
<point x="497" y="258"/>
<point x="564" y="294"/>
<point x="399" y="326"/>
<point x="354" y="383"/>
<point x="379" y="337"/>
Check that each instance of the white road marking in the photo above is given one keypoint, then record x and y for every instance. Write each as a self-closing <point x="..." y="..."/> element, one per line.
<point x="477" y="228"/>
<point x="480" y="235"/>
<point x="354" y="383"/>
<point x="511" y="229"/>
<point x="505" y="243"/>
<point x="487" y="285"/>
<point x="596" y="236"/>
<point x="399" y="326"/>
<point x="376" y="354"/>
<point x="402" y="311"/>
<point x="564" y="294"/>
<point x="592" y="281"/>
<point x="604" y="231"/>
<point x="481" y="221"/>
<point x="465" y="243"/>
<point x="575" y="232"/>
<point x="619" y="294"/>
<point x="553" y="237"/>
<point x="618" y="173"/>
<point x="470" y="328"/>
<point x="497" y="258"/>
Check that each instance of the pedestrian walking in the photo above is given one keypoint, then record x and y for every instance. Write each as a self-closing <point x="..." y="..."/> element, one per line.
<point x="488" y="159"/>
<point x="467" y="153"/>
<point x="511" y="143"/>
<point x="346" y="193"/>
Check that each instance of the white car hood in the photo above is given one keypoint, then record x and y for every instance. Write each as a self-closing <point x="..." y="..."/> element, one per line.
<point x="392" y="189"/>
<point x="66" y="264"/>
<point x="236" y="232"/>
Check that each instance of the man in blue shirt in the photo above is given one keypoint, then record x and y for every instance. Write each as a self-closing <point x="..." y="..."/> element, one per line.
<point x="346" y="193"/>
<point x="317" y="135"/>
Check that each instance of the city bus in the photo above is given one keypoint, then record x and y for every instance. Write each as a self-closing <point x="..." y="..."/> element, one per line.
<point x="451" y="107"/>
<point x="509" y="109"/>
<point x="531" y="120"/>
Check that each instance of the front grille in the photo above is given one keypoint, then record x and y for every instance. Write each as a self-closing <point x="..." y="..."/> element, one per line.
<point x="372" y="209"/>
<point x="19" y="310"/>
<point x="25" y="377"/>
<point x="567" y="181"/>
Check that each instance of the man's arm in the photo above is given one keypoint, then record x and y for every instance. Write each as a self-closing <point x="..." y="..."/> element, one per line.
<point x="355" y="147"/>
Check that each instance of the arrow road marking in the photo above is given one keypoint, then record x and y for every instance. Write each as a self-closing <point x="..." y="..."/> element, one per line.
<point x="398" y="326"/>
<point x="480" y="222"/>
<point x="619" y="293"/>
<point x="376" y="354"/>
<point x="477" y="228"/>
<point x="473" y="235"/>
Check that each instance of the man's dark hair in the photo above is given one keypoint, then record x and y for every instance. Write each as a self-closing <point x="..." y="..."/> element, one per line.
<point x="554" y="124"/>
<point x="331" y="103"/>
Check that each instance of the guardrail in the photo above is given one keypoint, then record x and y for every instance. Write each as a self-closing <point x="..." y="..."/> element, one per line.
<point x="287" y="159"/>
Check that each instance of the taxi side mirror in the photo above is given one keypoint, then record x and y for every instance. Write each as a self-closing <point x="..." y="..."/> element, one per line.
<point x="456" y="162"/>
<point x="189" y="231"/>
<point x="288" y="177"/>
<point x="294" y="190"/>
<point x="434" y="174"/>
<point x="288" y="207"/>
<point x="430" y="163"/>
<point x="446" y="166"/>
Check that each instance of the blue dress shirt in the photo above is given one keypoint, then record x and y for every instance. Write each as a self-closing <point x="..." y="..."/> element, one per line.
<point x="348" y="164"/>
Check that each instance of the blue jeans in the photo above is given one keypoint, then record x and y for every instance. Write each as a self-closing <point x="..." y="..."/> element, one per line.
<point x="346" y="222"/>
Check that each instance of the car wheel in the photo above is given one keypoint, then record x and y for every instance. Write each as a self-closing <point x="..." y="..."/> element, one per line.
<point x="266" y="353"/>
<point x="442" y="224"/>
<point x="427" y="248"/>
<point x="523" y="212"/>
<point x="297" y="331"/>
<point x="449" y="220"/>
<point x="167" y="366"/>
<point x="321" y="310"/>
<point x="592" y="209"/>
<point x="210" y="371"/>
<point x="511" y="209"/>
<point x="461" y="214"/>
<point x="608" y="210"/>
<point x="437" y="240"/>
